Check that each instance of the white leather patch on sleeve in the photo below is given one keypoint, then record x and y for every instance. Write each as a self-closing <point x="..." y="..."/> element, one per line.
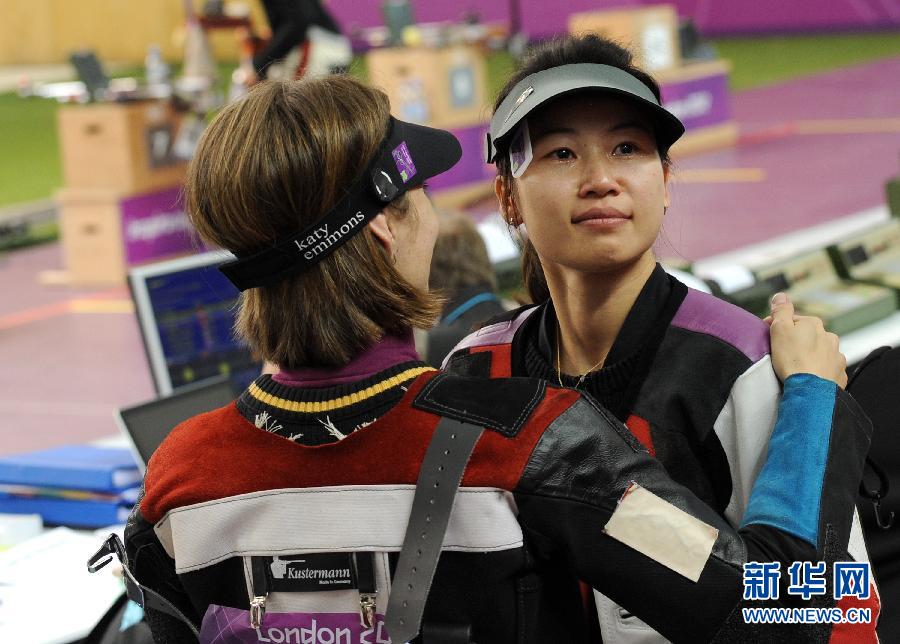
<point x="657" y="529"/>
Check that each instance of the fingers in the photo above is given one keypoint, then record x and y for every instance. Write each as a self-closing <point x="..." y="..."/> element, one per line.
<point x="769" y="319"/>
<point x="811" y="322"/>
<point x="801" y="344"/>
<point x="842" y="374"/>
<point x="782" y="309"/>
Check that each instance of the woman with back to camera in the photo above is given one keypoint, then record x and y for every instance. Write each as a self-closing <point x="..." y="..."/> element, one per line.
<point x="317" y="504"/>
<point x="581" y="145"/>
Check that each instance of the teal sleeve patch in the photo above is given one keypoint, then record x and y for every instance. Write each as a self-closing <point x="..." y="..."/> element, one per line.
<point x="787" y="494"/>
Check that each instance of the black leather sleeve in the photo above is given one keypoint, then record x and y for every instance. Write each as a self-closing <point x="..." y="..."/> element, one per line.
<point x="153" y="568"/>
<point x="577" y="474"/>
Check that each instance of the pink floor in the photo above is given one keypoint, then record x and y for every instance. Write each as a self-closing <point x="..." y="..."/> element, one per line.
<point x="62" y="372"/>
<point x="809" y="178"/>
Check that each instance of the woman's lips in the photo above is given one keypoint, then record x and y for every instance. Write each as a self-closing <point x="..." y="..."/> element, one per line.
<point x="601" y="217"/>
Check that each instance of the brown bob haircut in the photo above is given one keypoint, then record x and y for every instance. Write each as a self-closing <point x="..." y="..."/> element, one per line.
<point x="271" y="164"/>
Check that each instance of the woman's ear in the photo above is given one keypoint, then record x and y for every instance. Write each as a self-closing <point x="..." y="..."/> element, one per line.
<point x="507" y="203"/>
<point x="383" y="233"/>
<point x="666" y="175"/>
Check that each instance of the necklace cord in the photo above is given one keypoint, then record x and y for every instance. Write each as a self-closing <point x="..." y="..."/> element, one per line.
<point x="558" y="362"/>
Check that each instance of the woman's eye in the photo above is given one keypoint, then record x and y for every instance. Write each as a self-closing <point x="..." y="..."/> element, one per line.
<point x="626" y="148"/>
<point x="562" y="154"/>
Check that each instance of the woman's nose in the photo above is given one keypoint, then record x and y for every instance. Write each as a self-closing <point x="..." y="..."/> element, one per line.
<point x="597" y="179"/>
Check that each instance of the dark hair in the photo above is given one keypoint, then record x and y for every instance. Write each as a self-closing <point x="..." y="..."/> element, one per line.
<point x="566" y="50"/>
<point x="268" y="166"/>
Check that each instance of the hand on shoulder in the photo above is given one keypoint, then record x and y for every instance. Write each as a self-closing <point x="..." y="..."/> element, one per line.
<point x="800" y="344"/>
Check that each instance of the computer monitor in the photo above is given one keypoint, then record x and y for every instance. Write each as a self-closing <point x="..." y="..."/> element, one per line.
<point x="90" y="72"/>
<point x="397" y="16"/>
<point x="147" y="424"/>
<point x="186" y="310"/>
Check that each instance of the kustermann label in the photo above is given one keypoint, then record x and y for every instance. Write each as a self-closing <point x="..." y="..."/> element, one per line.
<point x="312" y="573"/>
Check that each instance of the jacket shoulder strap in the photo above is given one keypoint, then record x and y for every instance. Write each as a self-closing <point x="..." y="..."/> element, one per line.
<point x="439" y="477"/>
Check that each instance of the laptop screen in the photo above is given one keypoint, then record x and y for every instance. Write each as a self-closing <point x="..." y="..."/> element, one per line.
<point x="90" y="71"/>
<point x="147" y="424"/>
<point x="186" y="310"/>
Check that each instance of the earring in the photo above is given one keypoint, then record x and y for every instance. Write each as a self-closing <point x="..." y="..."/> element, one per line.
<point x="510" y="216"/>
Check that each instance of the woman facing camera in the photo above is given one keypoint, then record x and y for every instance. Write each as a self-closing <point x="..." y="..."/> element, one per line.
<point x="358" y="494"/>
<point x="581" y="144"/>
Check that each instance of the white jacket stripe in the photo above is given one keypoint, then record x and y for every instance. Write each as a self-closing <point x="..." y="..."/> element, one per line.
<point x="328" y="519"/>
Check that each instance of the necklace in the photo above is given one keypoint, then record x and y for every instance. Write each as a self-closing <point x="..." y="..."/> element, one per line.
<point x="559" y="369"/>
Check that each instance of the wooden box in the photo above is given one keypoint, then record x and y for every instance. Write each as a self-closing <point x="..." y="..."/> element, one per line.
<point x="104" y="232"/>
<point x="125" y="147"/>
<point x="650" y="32"/>
<point x="441" y="87"/>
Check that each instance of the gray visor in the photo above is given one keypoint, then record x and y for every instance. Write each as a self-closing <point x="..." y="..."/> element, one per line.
<point x="537" y="89"/>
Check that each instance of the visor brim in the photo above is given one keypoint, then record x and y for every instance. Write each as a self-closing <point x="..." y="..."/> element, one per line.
<point x="550" y="84"/>
<point x="432" y="151"/>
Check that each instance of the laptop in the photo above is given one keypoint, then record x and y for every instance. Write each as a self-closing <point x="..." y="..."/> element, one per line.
<point x="100" y="87"/>
<point x="186" y="309"/>
<point x="145" y="425"/>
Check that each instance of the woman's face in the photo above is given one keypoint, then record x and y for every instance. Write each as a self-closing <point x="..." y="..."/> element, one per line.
<point x="593" y="197"/>
<point x="415" y="235"/>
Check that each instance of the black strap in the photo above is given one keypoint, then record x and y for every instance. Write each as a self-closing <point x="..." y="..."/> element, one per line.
<point x="874" y="495"/>
<point x="259" y="576"/>
<point x="139" y="594"/>
<point x="439" y="478"/>
<point x="365" y="572"/>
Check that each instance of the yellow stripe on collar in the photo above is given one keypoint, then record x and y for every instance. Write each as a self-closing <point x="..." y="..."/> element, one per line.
<point x="337" y="403"/>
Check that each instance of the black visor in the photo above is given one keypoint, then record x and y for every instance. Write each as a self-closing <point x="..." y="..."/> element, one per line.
<point x="408" y="155"/>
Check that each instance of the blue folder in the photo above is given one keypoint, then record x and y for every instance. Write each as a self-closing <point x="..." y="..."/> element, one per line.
<point x="78" y="467"/>
<point x="69" y="512"/>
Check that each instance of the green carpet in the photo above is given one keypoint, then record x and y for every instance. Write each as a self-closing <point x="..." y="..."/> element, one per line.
<point x="765" y="61"/>
<point x="30" y="166"/>
<point x="29" y="150"/>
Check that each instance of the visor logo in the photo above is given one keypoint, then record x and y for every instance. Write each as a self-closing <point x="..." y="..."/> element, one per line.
<point x="528" y="92"/>
<point x="403" y="161"/>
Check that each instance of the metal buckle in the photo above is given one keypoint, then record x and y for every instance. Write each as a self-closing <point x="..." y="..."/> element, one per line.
<point x="257" y="610"/>
<point x="384" y="186"/>
<point x="112" y="547"/>
<point x="367" y="609"/>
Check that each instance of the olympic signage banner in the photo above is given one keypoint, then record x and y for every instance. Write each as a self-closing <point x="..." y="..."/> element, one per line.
<point x="154" y="226"/>
<point x="699" y="102"/>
